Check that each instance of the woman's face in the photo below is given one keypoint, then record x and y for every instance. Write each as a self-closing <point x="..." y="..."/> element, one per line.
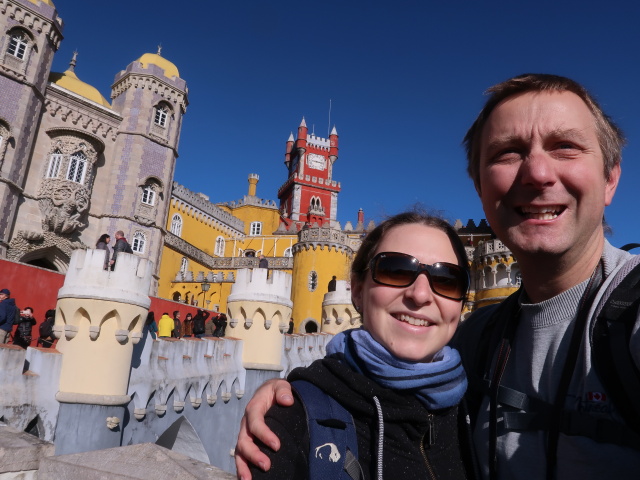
<point x="412" y="323"/>
<point x="107" y="240"/>
<point x="188" y="316"/>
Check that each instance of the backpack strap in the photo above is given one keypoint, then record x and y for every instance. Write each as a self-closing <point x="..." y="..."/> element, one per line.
<point x="610" y="343"/>
<point x="333" y="443"/>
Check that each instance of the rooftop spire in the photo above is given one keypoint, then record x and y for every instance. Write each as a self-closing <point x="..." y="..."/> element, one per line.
<point x="72" y="63"/>
<point x="160" y="50"/>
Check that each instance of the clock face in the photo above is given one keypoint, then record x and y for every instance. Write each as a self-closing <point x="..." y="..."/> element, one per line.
<point x="316" y="161"/>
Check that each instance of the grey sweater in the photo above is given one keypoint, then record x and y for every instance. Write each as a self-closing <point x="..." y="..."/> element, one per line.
<point x="534" y="367"/>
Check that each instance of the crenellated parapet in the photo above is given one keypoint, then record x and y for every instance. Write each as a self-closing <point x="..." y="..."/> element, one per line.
<point x="186" y="370"/>
<point x="338" y="312"/>
<point x="35" y="21"/>
<point x="201" y="208"/>
<point x="153" y="80"/>
<point x="259" y="309"/>
<point x="323" y="238"/>
<point x="300" y="350"/>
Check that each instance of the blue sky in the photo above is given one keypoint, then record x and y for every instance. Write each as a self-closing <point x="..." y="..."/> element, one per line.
<point x="405" y="79"/>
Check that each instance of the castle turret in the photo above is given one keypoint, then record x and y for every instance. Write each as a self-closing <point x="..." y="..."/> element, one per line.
<point x="100" y="314"/>
<point x="320" y="254"/>
<point x="253" y="184"/>
<point x="310" y="195"/>
<point x="259" y="309"/>
<point x="287" y="154"/>
<point x="32" y="32"/>
<point x="338" y="312"/>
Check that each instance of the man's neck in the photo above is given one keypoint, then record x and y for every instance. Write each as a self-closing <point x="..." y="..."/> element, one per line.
<point x="545" y="276"/>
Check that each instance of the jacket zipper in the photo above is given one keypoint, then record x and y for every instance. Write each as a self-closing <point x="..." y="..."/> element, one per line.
<point x="430" y="438"/>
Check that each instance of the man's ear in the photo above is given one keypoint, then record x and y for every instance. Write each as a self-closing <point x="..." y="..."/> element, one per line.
<point x="612" y="184"/>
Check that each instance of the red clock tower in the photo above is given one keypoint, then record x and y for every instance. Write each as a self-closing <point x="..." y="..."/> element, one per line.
<point x="310" y="195"/>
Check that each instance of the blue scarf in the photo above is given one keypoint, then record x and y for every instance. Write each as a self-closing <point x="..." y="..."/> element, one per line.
<point x="438" y="384"/>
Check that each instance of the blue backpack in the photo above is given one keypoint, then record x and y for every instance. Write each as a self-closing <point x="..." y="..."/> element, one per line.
<point x="333" y="443"/>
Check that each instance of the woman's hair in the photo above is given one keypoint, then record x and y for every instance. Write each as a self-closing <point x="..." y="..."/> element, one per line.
<point x="51" y="313"/>
<point x="150" y="318"/>
<point x="103" y="238"/>
<point x="188" y="316"/>
<point x="416" y="215"/>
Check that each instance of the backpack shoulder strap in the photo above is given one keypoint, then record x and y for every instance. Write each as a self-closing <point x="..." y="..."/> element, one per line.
<point x="477" y="341"/>
<point x="333" y="450"/>
<point x="610" y="343"/>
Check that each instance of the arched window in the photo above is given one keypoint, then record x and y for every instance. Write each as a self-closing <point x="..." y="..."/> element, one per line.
<point x="255" y="229"/>
<point x="54" y="164"/>
<point x="161" y="116"/>
<point x="139" y="241"/>
<point x="288" y="252"/>
<point x="18" y="45"/>
<point x="148" y="195"/>
<point x="184" y="265"/>
<point x="219" y="249"/>
<point x="77" y="167"/>
<point x="176" y="225"/>
<point x="313" y="281"/>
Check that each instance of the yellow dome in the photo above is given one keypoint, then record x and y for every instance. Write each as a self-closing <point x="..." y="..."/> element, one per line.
<point x="170" y="70"/>
<point x="69" y="81"/>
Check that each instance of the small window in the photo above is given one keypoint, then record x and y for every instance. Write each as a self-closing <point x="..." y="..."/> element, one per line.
<point x="77" y="167"/>
<point x="288" y="252"/>
<point x="176" y="225"/>
<point x="219" y="250"/>
<point x="161" y="116"/>
<point x="184" y="265"/>
<point x="18" y="45"/>
<point x="54" y="164"/>
<point x="139" y="241"/>
<point x="313" y="281"/>
<point x="256" y="229"/>
<point x="148" y="195"/>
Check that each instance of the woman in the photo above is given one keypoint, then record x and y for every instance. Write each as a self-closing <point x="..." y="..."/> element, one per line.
<point x="102" y="244"/>
<point x="397" y="371"/>
<point x="187" y="325"/>
<point x="151" y="325"/>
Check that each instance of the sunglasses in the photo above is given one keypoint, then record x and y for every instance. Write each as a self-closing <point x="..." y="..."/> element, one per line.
<point x="395" y="269"/>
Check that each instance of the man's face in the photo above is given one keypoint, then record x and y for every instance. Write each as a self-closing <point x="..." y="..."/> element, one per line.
<point x="26" y="313"/>
<point x="3" y="296"/>
<point x="542" y="181"/>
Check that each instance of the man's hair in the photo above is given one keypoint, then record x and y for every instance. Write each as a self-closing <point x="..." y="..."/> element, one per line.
<point x="28" y="308"/>
<point x="610" y="136"/>
<point x="119" y="233"/>
<point x="175" y="312"/>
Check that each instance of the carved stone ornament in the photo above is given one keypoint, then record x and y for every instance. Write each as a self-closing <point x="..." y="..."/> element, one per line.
<point x="63" y="210"/>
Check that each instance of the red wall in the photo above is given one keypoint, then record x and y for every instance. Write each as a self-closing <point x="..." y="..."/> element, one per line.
<point x="38" y="288"/>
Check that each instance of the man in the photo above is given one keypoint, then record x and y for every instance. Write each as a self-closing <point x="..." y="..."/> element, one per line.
<point x="121" y="245"/>
<point x="177" y="325"/>
<point x="263" y="263"/>
<point x="165" y="326"/>
<point x="23" y="336"/>
<point x="7" y="314"/>
<point x="332" y="284"/>
<point x="545" y="161"/>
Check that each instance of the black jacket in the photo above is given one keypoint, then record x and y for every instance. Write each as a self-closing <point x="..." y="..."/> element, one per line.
<point x="406" y="426"/>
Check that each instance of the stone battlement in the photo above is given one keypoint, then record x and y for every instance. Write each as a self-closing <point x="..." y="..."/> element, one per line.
<point x="262" y="285"/>
<point x="128" y="283"/>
